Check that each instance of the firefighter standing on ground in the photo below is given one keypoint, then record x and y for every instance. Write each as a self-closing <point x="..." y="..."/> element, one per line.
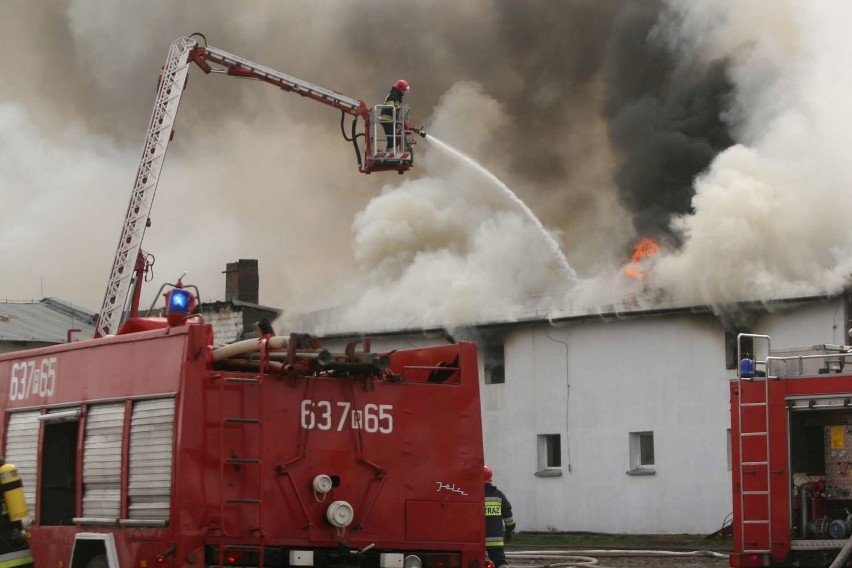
<point x="499" y="524"/>
<point x="387" y="116"/>
<point x="14" y="549"/>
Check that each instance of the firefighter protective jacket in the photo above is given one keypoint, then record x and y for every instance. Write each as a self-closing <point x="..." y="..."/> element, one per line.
<point x="498" y="516"/>
<point x="394" y="99"/>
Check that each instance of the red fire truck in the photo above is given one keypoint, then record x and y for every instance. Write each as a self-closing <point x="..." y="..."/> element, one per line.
<point x="791" y="428"/>
<point x="152" y="444"/>
<point x="153" y="447"/>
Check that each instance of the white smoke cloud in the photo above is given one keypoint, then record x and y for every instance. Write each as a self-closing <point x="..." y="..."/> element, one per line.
<point x="448" y="248"/>
<point x="771" y="212"/>
<point x="55" y="186"/>
<point x="255" y="173"/>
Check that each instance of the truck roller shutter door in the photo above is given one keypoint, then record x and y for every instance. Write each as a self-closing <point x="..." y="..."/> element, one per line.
<point x="22" y="451"/>
<point x="151" y="443"/>
<point x="102" y="461"/>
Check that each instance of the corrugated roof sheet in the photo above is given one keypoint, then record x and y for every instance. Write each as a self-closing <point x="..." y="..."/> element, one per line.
<point x="46" y="321"/>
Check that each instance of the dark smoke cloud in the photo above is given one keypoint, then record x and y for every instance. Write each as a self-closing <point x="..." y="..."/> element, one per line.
<point x="562" y="49"/>
<point x="553" y="64"/>
<point x="549" y="63"/>
<point x="665" y="121"/>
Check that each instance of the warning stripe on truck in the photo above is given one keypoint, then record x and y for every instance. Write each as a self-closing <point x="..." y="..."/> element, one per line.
<point x="17" y="559"/>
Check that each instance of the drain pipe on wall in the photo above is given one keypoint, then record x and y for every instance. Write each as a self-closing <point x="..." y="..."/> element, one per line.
<point x="567" y="397"/>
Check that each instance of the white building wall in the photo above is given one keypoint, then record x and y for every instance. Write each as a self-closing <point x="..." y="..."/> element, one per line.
<point x="809" y="324"/>
<point x="595" y="381"/>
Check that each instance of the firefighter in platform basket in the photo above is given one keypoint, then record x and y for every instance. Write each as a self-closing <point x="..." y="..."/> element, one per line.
<point x="499" y="524"/>
<point x="387" y="117"/>
<point x="14" y="549"/>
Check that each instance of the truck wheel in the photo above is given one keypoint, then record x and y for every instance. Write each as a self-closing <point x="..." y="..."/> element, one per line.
<point x="98" y="561"/>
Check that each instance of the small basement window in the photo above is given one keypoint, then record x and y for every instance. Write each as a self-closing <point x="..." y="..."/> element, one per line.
<point x="641" y="453"/>
<point x="549" y="455"/>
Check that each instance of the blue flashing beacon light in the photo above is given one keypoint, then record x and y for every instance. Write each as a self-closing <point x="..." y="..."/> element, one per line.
<point x="747" y="367"/>
<point x="179" y="300"/>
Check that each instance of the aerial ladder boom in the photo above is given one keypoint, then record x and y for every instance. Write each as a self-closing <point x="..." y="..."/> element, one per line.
<point x="129" y="263"/>
<point x="399" y="157"/>
<point x="239" y="67"/>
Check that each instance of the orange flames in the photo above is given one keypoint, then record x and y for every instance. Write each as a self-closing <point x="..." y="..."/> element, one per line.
<point x="641" y="250"/>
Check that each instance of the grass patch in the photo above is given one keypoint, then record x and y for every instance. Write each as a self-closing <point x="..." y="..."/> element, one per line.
<point x="629" y="541"/>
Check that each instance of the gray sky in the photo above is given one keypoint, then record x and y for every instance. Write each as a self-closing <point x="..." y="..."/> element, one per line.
<point x="714" y="126"/>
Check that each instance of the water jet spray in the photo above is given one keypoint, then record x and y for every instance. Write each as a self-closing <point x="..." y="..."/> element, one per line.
<point x="551" y="242"/>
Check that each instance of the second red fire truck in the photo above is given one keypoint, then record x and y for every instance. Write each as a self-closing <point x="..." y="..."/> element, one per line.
<point x="791" y="427"/>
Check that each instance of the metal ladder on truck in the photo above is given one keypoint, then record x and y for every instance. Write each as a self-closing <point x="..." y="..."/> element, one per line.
<point x="753" y="446"/>
<point x="228" y="458"/>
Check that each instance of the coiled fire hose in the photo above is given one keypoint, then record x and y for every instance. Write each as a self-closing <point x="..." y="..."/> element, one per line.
<point x="581" y="558"/>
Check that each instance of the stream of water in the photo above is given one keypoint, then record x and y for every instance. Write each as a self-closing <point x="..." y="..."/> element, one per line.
<point x="551" y="242"/>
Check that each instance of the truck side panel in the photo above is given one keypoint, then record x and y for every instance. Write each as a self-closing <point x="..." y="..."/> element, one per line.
<point x="166" y="460"/>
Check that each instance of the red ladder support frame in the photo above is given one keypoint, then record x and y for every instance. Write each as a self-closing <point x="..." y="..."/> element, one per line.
<point x="225" y="460"/>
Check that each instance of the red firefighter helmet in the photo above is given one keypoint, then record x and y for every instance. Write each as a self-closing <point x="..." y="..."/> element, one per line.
<point x="488" y="474"/>
<point x="401" y="85"/>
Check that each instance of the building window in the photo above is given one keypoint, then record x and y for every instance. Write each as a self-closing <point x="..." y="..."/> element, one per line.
<point x="495" y="365"/>
<point x="549" y="455"/>
<point x="641" y="453"/>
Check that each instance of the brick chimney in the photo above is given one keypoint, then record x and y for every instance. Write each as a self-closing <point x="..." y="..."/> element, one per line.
<point x="241" y="281"/>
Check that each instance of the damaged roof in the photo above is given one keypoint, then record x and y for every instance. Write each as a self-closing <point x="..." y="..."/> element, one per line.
<point x="44" y="321"/>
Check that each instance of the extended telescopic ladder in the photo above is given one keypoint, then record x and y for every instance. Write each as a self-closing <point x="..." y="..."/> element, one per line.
<point x="169" y="92"/>
<point x="183" y="51"/>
